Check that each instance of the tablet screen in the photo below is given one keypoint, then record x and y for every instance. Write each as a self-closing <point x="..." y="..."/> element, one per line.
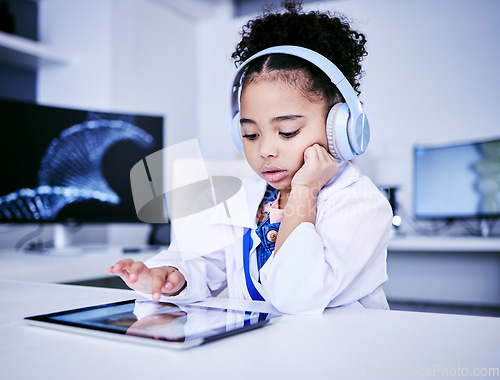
<point x="165" y="324"/>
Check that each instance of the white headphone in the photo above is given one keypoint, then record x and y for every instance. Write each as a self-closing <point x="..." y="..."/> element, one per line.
<point x="347" y="128"/>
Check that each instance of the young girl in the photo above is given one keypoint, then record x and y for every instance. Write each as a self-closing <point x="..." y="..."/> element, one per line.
<point x="317" y="232"/>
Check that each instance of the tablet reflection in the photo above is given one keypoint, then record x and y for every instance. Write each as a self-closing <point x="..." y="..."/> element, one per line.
<point x="178" y="323"/>
<point x="166" y="326"/>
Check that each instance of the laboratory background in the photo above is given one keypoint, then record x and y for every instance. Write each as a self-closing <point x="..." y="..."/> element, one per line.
<point x="430" y="90"/>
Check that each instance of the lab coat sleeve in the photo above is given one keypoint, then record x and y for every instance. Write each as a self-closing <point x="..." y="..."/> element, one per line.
<point x="337" y="261"/>
<point x="198" y="252"/>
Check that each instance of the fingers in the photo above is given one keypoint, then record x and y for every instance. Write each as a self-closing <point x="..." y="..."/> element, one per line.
<point x="120" y="267"/>
<point x="311" y="153"/>
<point x="175" y="281"/>
<point x="158" y="277"/>
<point x="156" y="281"/>
<point x="317" y="155"/>
<point x="135" y="270"/>
<point x="127" y="269"/>
<point x="319" y="167"/>
<point x="166" y="280"/>
<point x="317" y="152"/>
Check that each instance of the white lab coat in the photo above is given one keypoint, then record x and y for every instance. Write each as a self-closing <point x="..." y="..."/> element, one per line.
<point x="338" y="261"/>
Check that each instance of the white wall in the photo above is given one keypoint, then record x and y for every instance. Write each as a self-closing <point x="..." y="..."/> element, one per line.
<point x="83" y="32"/>
<point x="431" y="77"/>
<point x="129" y="55"/>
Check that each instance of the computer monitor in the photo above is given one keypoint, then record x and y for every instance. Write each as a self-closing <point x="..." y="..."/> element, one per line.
<point x="63" y="165"/>
<point x="454" y="181"/>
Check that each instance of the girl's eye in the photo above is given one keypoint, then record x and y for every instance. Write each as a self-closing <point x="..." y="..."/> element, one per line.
<point x="288" y="135"/>
<point x="250" y="136"/>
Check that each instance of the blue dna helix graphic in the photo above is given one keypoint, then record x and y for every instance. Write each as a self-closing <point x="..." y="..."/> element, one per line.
<point x="70" y="171"/>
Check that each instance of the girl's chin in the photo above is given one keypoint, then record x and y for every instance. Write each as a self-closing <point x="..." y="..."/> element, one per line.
<point x="280" y="185"/>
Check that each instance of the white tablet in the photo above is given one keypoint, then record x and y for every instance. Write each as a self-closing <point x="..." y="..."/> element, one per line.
<point x="160" y="324"/>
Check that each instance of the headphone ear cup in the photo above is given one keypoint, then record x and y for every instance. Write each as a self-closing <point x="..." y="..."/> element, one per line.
<point x="236" y="132"/>
<point x="336" y="132"/>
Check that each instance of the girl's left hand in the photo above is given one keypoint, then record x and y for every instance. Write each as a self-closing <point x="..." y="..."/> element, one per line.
<point x="319" y="167"/>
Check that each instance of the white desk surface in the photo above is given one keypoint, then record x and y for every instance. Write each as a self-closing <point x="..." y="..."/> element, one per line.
<point x="343" y="343"/>
<point x="38" y="267"/>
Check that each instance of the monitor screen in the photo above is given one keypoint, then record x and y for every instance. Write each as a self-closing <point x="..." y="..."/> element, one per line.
<point x="457" y="181"/>
<point x="61" y="165"/>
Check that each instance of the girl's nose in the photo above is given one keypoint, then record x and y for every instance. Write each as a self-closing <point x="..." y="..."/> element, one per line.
<point x="268" y="148"/>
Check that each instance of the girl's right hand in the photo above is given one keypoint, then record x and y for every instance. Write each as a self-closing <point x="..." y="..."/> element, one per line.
<point x="319" y="167"/>
<point x="155" y="281"/>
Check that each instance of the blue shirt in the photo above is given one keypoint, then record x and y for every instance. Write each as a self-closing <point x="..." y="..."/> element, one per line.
<point x="267" y="239"/>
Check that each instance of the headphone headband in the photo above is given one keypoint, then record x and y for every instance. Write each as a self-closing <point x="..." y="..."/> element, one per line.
<point x="318" y="60"/>
<point x="357" y="124"/>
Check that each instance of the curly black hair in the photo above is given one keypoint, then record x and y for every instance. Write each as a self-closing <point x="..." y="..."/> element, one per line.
<point x="326" y="33"/>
